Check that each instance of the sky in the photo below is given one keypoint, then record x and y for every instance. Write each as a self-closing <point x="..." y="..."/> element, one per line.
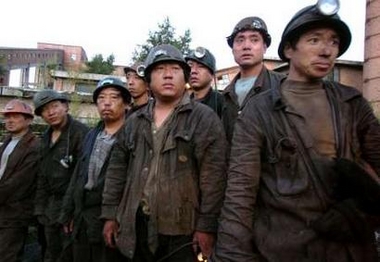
<point x="117" y="27"/>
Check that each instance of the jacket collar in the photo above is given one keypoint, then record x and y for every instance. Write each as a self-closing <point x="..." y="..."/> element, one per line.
<point x="258" y="83"/>
<point x="25" y="139"/>
<point x="207" y="96"/>
<point x="185" y="104"/>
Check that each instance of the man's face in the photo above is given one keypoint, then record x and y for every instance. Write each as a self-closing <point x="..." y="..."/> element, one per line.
<point x="200" y="76"/>
<point x="314" y="54"/>
<point x="167" y="81"/>
<point x="248" y="48"/>
<point x="55" y="113"/>
<point x="136" y="85"/>
<point x="110" y="104"/>
<point x="16" y="123"/>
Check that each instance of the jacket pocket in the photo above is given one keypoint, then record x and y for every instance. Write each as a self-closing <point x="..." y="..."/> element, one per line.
<point x="291" y="176"/>
<point x="180" y="150"/>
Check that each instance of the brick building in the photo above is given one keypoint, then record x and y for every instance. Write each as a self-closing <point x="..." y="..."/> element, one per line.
<point x="371" y="71"/>
<point x="74" y="57"/>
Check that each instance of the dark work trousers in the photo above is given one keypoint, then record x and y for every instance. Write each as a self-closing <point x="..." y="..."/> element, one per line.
<point x="41" y="238"/>
<point x="84" y="251"/>
<point x="58" y="245"/>
<point x="12" y="242"/>
<point x="170" y="248"/>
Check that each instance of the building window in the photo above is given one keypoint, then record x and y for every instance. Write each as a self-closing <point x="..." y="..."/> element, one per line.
<point x="223" y="81"/>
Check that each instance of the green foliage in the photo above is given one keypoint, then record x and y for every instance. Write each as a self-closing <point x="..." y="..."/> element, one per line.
<point x="52" y="66"/>
<point x="100" y="66"/>
<point x="164" y="35"/>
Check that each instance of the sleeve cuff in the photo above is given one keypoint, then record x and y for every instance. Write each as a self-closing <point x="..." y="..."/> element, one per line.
<point x="108" y="213"/>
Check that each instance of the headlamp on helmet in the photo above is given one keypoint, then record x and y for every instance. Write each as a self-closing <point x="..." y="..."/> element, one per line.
<point x="322" y="14"/>
<point x="203" y="56"/>
<point x="328" y="7"/>
<point x="140" y="71"/>
<point x="138" y="68"/>
<point x="200" y="52"/>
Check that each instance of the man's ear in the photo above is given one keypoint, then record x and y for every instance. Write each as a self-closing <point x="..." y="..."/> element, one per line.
<point x="67" y="107"/>
<point x="288" y="50"/>
<point x="265" y="47"/>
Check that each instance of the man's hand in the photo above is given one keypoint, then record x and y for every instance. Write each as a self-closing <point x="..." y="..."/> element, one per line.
<point x="68" y="228"/>
<point x="110" y="230"/>
<point x="205" y="241"/>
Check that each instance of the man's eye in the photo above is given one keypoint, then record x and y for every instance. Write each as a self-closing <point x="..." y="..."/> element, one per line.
<point x="313" y="40"/>
<point x="336" y="42"/>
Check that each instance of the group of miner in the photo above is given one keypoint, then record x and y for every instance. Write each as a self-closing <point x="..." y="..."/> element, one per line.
<point x="275" y="167"/>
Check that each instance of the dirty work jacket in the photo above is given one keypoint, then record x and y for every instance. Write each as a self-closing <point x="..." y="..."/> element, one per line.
<point x="191" y="174"/>
<point x="80" y="204"/>
<point x="18" y="184"/>
<point x="53" y="177"/>
<point x="214" y="100"/>
<point x="265" y="80"/>
<point x="270" y="178"/>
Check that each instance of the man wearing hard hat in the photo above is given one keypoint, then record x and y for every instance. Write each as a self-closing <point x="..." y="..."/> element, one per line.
<point x="305" y="160"/>
<point x="61" y="144"/>
<point x="18" y="171"/>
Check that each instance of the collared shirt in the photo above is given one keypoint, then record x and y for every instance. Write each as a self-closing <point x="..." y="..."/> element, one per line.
<point x="102" y="147"/>
<point x="7" y="152"/>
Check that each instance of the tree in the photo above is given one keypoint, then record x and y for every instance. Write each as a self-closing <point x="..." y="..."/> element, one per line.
<point x="98" y="66"/>
<point x="164" y="35"/>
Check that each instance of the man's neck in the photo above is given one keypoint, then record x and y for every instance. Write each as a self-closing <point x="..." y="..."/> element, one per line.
<point x="163" y="104"/>
<point x="200" y="94"/>
<point x="295" y="76"/>
<point x="141" y="100"/>
<point x="162" y="109"/>
<point x="111" y="127"/>
<point x="251" y="71"/>
<point x="19" y="134"/>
